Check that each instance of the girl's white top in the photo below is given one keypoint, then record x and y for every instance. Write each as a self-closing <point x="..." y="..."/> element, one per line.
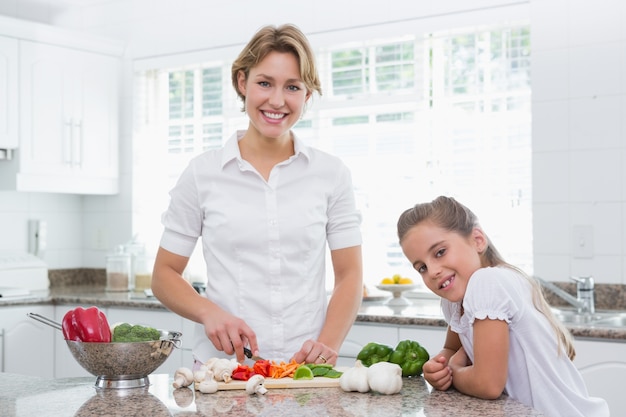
<point x="264" y="242"/>
<point x="538" y="376"/>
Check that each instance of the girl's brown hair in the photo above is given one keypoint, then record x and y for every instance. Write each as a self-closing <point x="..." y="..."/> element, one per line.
<point x="449" y="214"/>
<point x="286" y="38"/>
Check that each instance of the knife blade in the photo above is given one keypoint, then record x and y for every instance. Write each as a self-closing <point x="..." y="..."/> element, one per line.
<point x="249" y="355"/>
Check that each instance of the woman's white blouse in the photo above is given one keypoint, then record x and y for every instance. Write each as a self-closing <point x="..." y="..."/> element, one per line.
<point x="264" y="242"/>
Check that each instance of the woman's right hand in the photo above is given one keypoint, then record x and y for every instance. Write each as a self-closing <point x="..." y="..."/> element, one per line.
<point x="229" y="333"/>
<point x="438" y="373"/>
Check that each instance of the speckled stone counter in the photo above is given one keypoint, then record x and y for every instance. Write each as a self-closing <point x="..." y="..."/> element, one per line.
<point x="22" y="396"/>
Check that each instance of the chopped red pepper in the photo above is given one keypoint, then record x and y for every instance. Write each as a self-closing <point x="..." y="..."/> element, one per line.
<point x="262" y="367"/>
<point x="86" y="325"/>
<point x="242" y="373"/>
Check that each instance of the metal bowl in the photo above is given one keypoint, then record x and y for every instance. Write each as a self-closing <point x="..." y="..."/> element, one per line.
<point x="124" y="365"/>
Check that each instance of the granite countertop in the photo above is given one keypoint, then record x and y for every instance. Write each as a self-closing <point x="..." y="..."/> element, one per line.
<point x="422" y="311"/>
<point x="22" y="396"/>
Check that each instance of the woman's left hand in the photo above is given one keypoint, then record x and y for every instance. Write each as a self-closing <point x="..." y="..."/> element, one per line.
<point x="315" y="352"/>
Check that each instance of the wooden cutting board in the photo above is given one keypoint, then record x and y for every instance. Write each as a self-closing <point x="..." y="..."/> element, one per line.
<point x="273" y="383"/>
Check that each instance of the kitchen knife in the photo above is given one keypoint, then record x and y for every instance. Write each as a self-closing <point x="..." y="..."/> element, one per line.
<point x="249" y="355"/>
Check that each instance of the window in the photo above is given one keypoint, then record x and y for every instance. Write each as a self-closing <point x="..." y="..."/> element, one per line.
<point x="414" y="117"/>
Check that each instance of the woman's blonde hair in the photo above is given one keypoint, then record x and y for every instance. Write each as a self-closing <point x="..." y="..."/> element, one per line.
<point x="286" y="38"/>
<point x="453" y="216"/>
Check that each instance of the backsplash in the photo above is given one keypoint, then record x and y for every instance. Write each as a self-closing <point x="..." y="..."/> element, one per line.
<point x="78" y="276"/>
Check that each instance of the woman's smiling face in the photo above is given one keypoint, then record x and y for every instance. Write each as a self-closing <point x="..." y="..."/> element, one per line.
<point x="445" y="260"/>
<point x="275" y="94"/>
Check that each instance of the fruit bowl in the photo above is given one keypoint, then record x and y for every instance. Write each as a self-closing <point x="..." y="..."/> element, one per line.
<point x="124" y="365"/>
<point x="397" y="290"/>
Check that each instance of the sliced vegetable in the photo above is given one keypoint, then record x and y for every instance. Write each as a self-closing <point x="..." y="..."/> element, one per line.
<point x="333" y="373"/>
<point x="283" y="369"/>
<point x="262" y="367"/>
<point x="86" y="325"/>
<point x="303" y="372"/>
<point x="242" y="373"/>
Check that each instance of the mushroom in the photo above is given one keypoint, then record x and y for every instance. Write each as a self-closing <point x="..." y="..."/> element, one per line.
<point x="208" y="386"/>
<point x="200" y="375"/>
<point x="183" y="377"/>
<point x="223" y="369"/>
<point x="255" y="385"/>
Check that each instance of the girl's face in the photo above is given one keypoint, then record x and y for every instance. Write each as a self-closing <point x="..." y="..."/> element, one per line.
<point x="445" y="260"/>
<point x="275" y="94"/>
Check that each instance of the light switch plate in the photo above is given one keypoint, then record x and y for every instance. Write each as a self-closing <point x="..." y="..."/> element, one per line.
<point x="582" y="241"/>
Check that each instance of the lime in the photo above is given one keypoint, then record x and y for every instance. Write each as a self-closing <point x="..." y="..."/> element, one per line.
<point x="303" y="372"/>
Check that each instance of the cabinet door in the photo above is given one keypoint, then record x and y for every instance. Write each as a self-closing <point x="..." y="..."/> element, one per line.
<point x="47" y="86"/>
<point x="8" y="92"/>
<point x="28" y="344"/>
<point x="68" y="119"/>
<point x="164" y="320"/>
<point x="360" y="335"/>
<point x="603" y="367"/>
<point x="431" y="338"/>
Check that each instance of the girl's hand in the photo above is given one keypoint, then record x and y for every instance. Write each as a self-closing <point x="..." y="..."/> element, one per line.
<point x="229" y="333"/>
<point x="437" y="373"/>
<point x="313" y="351"/>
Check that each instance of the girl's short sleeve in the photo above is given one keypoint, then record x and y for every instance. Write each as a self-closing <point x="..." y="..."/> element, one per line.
<point x="494" y="293"/>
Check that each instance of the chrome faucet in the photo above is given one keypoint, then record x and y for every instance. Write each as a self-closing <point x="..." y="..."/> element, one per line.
<point x="584" y="300"/>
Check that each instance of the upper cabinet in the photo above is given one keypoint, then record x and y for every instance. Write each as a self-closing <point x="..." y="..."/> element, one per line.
<point x="68" y="120"/>
<point x="8" y="96"/>
<point x="68" y="114"/>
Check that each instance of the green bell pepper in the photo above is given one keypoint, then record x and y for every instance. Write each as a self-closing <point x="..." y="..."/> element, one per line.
<point x="373" y="353"/>
<point x="411" y="356"/>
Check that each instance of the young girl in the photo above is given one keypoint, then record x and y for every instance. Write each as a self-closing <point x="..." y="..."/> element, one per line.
<point x="502" y="336"/>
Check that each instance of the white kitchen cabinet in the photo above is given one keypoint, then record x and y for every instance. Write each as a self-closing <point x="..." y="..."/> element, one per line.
<point x="8" y="94"/>
<point x="164" y="320"/>
<point x="431" y="338"/>
<point x="68" y="120"/>
<point x="603" y="366"/>
<point x="27" y="344"/>
<point x="361" y="334"/>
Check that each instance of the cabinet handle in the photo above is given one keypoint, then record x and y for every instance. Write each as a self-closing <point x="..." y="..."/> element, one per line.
<point x="77" y="142"/>
<point x="67" y="142"/>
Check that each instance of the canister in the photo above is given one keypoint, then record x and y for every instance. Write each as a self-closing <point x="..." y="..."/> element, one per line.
<point x="118" y="271"/>
<point x="143" y="272"/>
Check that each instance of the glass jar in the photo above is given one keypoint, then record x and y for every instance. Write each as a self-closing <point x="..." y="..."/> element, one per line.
<point x="118" y="271"/>
<point x="143" y="272"/>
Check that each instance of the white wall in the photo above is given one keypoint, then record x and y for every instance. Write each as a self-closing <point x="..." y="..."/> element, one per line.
<point x="579" y="136"/>
<point x="579" y="111"/>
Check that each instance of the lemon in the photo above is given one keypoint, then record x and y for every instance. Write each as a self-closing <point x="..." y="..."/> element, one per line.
<point x="405" y="281"/>
<point x="386" y="281"/>
<point x="303" y="372"/>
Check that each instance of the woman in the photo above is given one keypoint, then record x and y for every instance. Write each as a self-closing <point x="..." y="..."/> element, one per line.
<point x="502" y="336"/>
<point x="265" y="206"/>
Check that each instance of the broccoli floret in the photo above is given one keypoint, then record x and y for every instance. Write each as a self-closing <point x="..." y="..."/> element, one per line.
<point x="134" y="333"/>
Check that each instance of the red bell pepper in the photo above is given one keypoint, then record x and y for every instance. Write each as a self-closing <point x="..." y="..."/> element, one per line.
<point x="262" y="367"/>
<point x="86" y="325"/>
<point x="242" y="373"/>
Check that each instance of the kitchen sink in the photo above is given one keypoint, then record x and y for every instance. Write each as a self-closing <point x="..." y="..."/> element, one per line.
<point x="604" y="318"/>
